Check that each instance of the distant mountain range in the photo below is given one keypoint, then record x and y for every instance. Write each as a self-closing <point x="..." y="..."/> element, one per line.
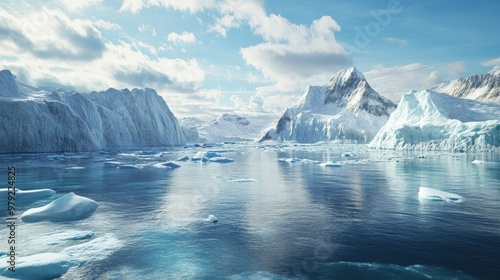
<point x="480" y="87"/>
<point x="228" y="127"/>
<point x="347" y="109"/>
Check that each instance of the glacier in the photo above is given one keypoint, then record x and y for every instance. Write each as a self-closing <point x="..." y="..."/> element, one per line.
<point x="228" y="127"/>
<point x="429" y="120"/>
<point x="34" y="120"/>
<point x="347" y="109"/>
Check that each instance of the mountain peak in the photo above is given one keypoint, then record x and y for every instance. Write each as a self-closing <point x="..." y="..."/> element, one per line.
<point x="350" y="75"/>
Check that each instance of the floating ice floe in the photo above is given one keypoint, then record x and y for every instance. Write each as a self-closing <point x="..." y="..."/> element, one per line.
<point x="482" y="162"/>
<point x="221" y="159"/>
<point x="200" y="156"/>
<point x="184" y="158"/>
<point x="330" y="164"/>
<point x="41" y="266"/>
<point x="169" y="165"/>
<point x="75" y="167"/>
<point x="348" y="154"/>
<point x="113" y="163"/>
<point x="66" y="208"/>
<point x="245" y="180"/>
<point x="94" y="250"/>
<point x="433" y="194"/>
<point x="212" y="218"/>
<point x="29" y="194"/>
<point x="129" y="166"/>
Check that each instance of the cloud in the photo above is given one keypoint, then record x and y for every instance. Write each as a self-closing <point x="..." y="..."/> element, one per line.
<point x="107" y="25"/>
<point x="71" y="53"/>
<point x="192" y="6"/>
<point x="143" y="28"/>
<point x="50" y="34"/>
<point x="491" y="62"/>
<point x="395" y="41"/>
<point x="184" y="38"/>
<point x="78" y="5"/>
<point x="395" y="81"/>
<point x="455" y="69"/>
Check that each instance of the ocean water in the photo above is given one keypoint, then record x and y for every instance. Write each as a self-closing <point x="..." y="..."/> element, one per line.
<point x="281" y="215"/>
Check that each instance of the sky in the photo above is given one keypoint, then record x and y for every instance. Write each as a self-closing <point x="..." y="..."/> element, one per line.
<point x="254" y="58"/>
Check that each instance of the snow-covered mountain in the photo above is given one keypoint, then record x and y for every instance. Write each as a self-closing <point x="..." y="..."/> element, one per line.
<point x="225" y="128"/>
<point x="346" y="109"/>
<point x="35" y="120"/>
<point x="480" y="87"/>
<point x="428" y="120"/>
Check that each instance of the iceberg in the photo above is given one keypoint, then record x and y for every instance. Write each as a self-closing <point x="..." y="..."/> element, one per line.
<point x="169" y="165"/>
<point x="347" y="109"/>
<point x="76" y="122"/>
<point x="212" y="218"/>
<point x="41" y="266"/>
<point x="433" y="194"/>
<point x="428" y="120"/>
<point x="205" y="155"/>
<point x="66" y="208"/>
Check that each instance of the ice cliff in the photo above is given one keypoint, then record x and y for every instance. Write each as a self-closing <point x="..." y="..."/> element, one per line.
<point x="34" y="120"/>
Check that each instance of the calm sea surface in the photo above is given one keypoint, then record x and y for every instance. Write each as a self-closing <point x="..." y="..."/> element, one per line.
<point x="281" y="215"/>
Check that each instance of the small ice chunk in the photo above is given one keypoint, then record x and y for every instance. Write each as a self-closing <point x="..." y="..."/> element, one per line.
<point x="481" y="162"/>
<point x="29" y="194"/>
<point x="112" y="163"/>
<point x="289" y="160"/>
<point x="184" y="158"/>
<point x="245" y="180"/>
<point x="66" y="208"/>
<point x="221" y="159"/>
<point x="331" y="164"/>
<point x="348" y="154"/>
<point x="40" y="266"/>
<point x="212" y="218"/>
<point x="200" y="155"/>
<point x="75" y="167"/>
<point x="128" y="166"/>
<point x="433" y="194"/>
<point x="168" y="164"/>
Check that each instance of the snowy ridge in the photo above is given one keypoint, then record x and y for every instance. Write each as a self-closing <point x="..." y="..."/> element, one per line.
<point x="34" y="120"/>
<point x="428" y="120"/>
<point x="481" y="87"/>
<point x="347" y="109"/>
<point x="227" y="127"/>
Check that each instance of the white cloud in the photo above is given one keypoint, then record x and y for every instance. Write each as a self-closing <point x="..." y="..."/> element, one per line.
<point x="395" y="81"/>
<point x="184" y="38"/>
<point x="78" y="5"/>
<point x="192" y="6"/>
<point x="455" y="69"/>
<point x="59" y="51"/>
<point x="143" y="28"/>
<point x="396" y="41"/>
<point x="491" y="62"/>
<point x="107" y="25"/>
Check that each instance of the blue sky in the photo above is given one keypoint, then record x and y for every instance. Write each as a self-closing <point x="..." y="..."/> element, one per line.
<point x="250" y="57"/>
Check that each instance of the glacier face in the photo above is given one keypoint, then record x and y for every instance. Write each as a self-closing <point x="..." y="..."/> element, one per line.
<point x="480" y="87"/>
<point x="428" y="120"/>
<point x="228" y="127"/>
<point x="34" y="120"/>
<point x="346" y="109"/>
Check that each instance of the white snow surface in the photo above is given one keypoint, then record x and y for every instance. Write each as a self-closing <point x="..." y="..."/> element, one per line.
<point x="73" y="122"/>
<point x="480" y="87"/>
<point x="69" y="207"/>
<point x="228" y="127"/>
<point x="347" y="109"/>
<point x="428" y="120"/>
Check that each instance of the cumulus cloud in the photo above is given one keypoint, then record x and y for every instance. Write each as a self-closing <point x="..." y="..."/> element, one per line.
<point x="107" y="25"/>
<point x="51" y="34"/>
<point x="146" y="28"/>
<point x="184" y="38"/>
<point x="57" y="50"/>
